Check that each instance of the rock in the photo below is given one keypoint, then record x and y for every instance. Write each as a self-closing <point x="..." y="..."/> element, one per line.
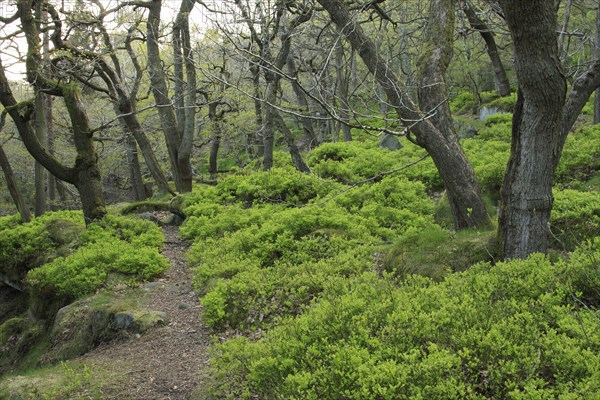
<point x="390" y="142"/>
<point x="467" y="132"/>
<point x="150" y="217"/>
<point x="138" y="321"/>
<point x="184" y="306"/>
<point x="174" y="220"/>
<point x="485" y="112"/>
<point x="154" y="285"/>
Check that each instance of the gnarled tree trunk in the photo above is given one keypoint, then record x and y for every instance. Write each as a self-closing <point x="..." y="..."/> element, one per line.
<point x="468" y="207"/>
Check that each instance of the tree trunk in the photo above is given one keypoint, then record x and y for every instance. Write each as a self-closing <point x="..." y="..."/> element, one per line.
<point x="307" y="125"/>
<point x="86" y="172"/>
<point x="39" y="170"/>
<point x="596" y="53"/>
<point x="188" y="125"/>
<point x="468" y="207"/>
<point x="216" y="139"/>
<point x="135" y="174"/>
<point x="256" y="139"/>
<point x="292" y="147"/>
<point x="536" y="133"/>
<point x="500" y="77"/>
<point x="342" y="92"/>
<point x="13" y="189"/>
<point x="160" y="92"/>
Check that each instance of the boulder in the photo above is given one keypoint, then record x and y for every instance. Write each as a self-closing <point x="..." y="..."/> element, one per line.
<point x="390" y="142"/>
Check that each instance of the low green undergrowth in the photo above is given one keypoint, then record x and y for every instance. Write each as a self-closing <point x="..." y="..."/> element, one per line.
<point x="347" y="288"/>
<point x="123" y="247"/>
<point x="257" y="264"/>
<point x="26" y="245"/>
<point x="575" y="217"/>
<point x="522" y="329"/>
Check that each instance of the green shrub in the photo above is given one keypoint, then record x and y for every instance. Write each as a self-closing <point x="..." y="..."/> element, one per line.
<point x="489" y="160"/>
<point x="575" y="218"/>
<point x="87" y="269"/>
<point x="501" y="118"/>
<point x="9" y="221"/>
<point x="278" y="185"/>
<point x="581" y="155"/>
<point x="121" y="246"/>
<point x="138" y="232"/>
<point x="351" y="162"/>
<point x="508" y="331"/>
<point x="463" y="103"/>
<point x="506" y="104"/>
<point x="26" y="245"/>
<point x="497" y="127"/>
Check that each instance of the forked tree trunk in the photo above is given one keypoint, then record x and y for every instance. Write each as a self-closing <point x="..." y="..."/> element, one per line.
<point x="181" y="168"/>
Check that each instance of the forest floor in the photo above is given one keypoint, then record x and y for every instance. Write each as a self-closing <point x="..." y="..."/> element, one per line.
<point x="166" y="362"/>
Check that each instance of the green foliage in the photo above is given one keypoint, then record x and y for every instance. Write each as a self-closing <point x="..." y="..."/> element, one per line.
<point x="498" y="118"/>
<point x="256" y="264"/>
<point x="463" y="103"/>
<point x="508" y="331"/>
<point x="506" y="104"/>
<point x="9" y="221"/>
<point x="116" y="245"/>
<point x="350" y="162"/>
<point x="581" y="155"/>
<point x="137" y="232"/>
<point x="489" y="159"/>
<point x="575" y="217"/>
<point x="279" y="185"/>
<point x="25" y="245"/>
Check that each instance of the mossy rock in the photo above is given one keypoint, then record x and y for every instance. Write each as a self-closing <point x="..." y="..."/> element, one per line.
<point x="80" y="326"/>
<point x="435" y="252"/>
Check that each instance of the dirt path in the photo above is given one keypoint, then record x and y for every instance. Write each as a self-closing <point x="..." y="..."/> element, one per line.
<point x="166" y="362"/>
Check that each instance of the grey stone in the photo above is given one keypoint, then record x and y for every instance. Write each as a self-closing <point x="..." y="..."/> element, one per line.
<point x="390" y="142"/>
<point x="485" y="112"/>
<point x="124" y="321"/>
<point x="150" y="217"/>
<point x="467" y="132"/>
<point x="154" y="285"/>
<point x="174" y="220"/>
<point x="184" y="306"/>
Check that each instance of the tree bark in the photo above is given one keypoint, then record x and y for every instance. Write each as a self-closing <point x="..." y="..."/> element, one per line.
<point x="297" y="160"/>
<point x="342" y="92"/>
<point x="13" y="189"/>
<point x="39" y="170"/>
<point x="86" y="172"/>
<point x="181" y="170"/>
<point x="500" y="77"/>
<point x="188" y="125"/>
<point x="468" y="207"/>
<point x="536" y="133"/>
<point x="216" y="139"/>
<point x="307" y="125"/>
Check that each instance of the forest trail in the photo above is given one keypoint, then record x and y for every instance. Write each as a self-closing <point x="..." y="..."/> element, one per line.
<point x="167" y="362"/>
